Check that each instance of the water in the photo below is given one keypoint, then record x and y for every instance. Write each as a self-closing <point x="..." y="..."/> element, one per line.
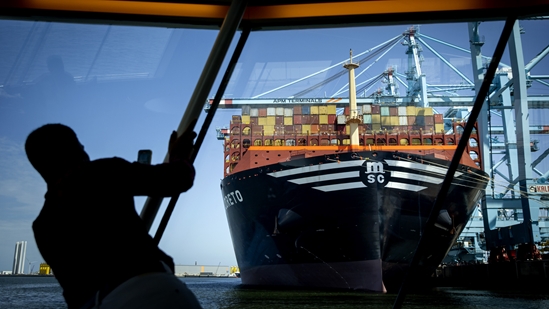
<point x="213" y="293"/>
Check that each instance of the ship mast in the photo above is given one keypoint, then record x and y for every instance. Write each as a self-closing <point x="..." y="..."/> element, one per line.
<point x="354" y="119"/>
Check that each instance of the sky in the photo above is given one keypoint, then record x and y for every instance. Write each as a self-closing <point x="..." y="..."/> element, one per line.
<point x="133" y="84"/>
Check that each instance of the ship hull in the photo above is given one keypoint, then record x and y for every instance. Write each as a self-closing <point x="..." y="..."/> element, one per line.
<point x="351" y="223"/>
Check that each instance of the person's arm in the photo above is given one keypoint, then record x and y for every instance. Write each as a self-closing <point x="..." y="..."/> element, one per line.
<point x="166" y="179"/>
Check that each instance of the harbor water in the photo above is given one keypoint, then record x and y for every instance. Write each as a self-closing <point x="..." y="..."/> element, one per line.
<point x="45" y="293"/>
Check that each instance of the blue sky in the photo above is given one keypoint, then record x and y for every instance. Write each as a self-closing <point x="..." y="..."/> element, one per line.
<point x="137" y="82"/>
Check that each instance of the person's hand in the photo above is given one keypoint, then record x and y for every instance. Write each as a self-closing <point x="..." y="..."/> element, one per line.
<point x="181" y="147"/>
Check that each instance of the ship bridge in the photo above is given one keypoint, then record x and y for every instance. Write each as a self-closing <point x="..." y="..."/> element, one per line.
<point x="136" y="66"/>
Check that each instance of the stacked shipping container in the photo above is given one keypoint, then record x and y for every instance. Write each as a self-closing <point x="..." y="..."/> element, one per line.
<point x="306" y="125"/>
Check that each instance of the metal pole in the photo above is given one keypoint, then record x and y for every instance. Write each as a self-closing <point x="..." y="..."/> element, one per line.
<point x="479" y="100"/>
<point x="204" y="85"/>
<point x="206" y="125"/>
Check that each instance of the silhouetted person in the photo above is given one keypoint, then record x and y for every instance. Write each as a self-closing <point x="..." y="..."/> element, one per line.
<point x="89" y="232"/>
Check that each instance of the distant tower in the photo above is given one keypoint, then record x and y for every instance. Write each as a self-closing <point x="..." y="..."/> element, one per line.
<point x="19" y="257"/>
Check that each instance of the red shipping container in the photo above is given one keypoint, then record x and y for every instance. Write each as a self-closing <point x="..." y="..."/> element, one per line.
<point x="347" y="111"/>
<point x="429" y="121"/>
<point x="393" y="111"/>
<point x="376" y="109"/>
<point x="297" y="119"/>
<point x="340" y="128"/>
<point x="332" y="119"/>
<point x="438" y="118"/>
<point x="288" y="129"/>
<point x="305" y="119"/>
<point x="262" y="112"/>
<point x="314" y="119"/>
<point x="297" y="110"/>
<point x="253" y="120"/>
<point x="323" y="128"/>
<point x="297" y="128"/>
<point x="279" y="120"/>
<point x="315" y="128"/>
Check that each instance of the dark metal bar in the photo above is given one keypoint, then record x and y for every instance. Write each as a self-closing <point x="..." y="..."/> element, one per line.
<point x="206" y="125"/>
<point x="220" y="91"/>
<point x="200" y="94"/>
<point x="439" y="202"/>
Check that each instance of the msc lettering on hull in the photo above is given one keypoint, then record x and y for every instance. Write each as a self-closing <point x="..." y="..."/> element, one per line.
<point x="373" y="174"/>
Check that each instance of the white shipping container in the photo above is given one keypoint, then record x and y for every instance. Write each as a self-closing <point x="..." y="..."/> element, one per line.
<point x="367" y="109"/>
<point x="271" y="111"/>
<point x="385" y="111"/>
<point x="403" y="120"/>
<point x="288" y="112"/>
<point x="254" y="112"/>
<point x="280" y="111"/>
<point x="402" y="111"/>
<point x="367" y="119"/>
<point x="341" y="119"/>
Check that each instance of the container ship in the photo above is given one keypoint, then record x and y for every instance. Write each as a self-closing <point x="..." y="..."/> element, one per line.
<point x="318" y="199"/>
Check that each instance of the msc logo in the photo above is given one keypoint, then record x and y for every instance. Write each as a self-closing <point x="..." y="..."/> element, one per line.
<point x="373" y="174"/>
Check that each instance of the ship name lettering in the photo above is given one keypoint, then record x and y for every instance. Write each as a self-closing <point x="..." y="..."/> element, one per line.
<point x="233" y="198"/>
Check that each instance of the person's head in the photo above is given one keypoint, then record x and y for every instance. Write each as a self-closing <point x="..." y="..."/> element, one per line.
<point x="53" y="150"/>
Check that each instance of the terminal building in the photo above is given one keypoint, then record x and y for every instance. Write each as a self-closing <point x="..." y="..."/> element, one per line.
<point x="205" y="270"/>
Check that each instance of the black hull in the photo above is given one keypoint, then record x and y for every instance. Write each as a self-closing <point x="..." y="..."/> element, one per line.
<point x="352" y="224"/>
